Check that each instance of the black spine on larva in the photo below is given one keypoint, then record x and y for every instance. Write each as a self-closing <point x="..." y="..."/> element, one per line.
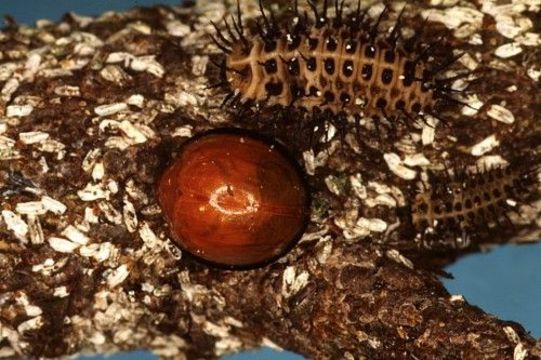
<point x="453" y="210"/>
<point x="358" y="71"/>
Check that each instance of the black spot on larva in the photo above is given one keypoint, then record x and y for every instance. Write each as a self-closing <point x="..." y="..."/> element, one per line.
<point x="345" y="98"/>
<point x="313" y="91"/>
<point x="329" y="66"/>
<point x="366" y="72"/>
<point x="294" y="43"/>
<point x="296" y="91"/>
<point x="274" y="88"/>
<point x="387" y="76"/>
<point x="270" y="46"/>
<point x="409" y="73"/>
<point x="400" y="105"/>
<point x="312" y="43"/>
<point x="293" y="66"/>
<point x="370" y="51"/>
<point x="347" y="68"/>
<point x="329" y="96"/>
<point x="381" y="103"/>
<point x="351" y="46"/>
<point x="311" y="64"/>
<point x="390" y="56"/>
<point x="416" y="108"/>
<point x="331" y="44"/>
<point x="271" y="66"/>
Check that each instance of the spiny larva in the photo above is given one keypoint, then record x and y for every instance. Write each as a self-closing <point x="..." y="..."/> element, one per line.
<point x="335" y="67"/>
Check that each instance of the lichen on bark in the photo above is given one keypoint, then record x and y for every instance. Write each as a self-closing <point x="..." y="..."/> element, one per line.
<point x="93" y="109"/>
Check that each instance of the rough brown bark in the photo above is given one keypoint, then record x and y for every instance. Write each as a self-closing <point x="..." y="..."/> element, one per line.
<point x="93" y="269"/>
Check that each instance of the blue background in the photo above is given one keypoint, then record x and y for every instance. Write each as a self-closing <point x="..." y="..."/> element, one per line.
<point x="505" y="282"/>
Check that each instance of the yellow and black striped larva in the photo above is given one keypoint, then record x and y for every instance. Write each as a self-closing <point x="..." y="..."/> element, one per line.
<point x="451" y="210"/>
<point x="340" y="66"/>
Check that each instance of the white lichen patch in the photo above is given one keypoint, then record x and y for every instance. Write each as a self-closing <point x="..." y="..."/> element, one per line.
<point x="428" y="132"/>
<point x="67" y="91"/>
<point x="54" y="147"/>
<point x="372" y="225"/>
<point x="501" y="114"/>
<point x="183" y="131"/>
<point x="147" y="64"/>
<point x="396" y="165"/>
<point x="348" y="224"/>
<point x="137" y="100"/>
<point x="312" y="161"/>
<point x="489" y="162"/>
<point x="181" y="98"/>
<point x="15" y="224"/>
<point x="117" y="276"/>
<point x="30" y="310"/>
<point x="334" y="184"/>
<point x="511" y="334"/>
<point x="30" y="324"/>
<point x="150" y="239"/>
<point x="35" y="231"/>
<point x="474" y="105"/>
<point x="75" y="235"/>
<point x="529" y="39"/>
<point x="177" y="29"/>
<point x="30" y="208"/>
<point x="384" y="195"/>
<point x="110" y="213"/>
<point x="293" y="282"/>
<point x="98" y="171"/>
<point x="7" y="149"/>
<point x="457" y="299"/>
<point x="100" y="252"/>
<point x="110" y="109"/>
<point x="52" y="205"/>
<point x="115" y="74"/>
<point x="508" y="50"/>
<point x="92" y="192"/>
<point x="418" y="159"/>
<point x="132" y="132"/>
<point x="485" y="146"/>
<point x="199" y="64"/>
<point x="397" y="257"/>
<point x="33" y="137"/>
<point x="520" y="352"/>
<point x="130" y="215"/>
<point x="19" y="110"/>
<point x="324" y="249"/>
<point x="455" y="16"/>
<point x="90" y="159"/>
<point x="469" y="62"/>
<point x="62" y="245"/>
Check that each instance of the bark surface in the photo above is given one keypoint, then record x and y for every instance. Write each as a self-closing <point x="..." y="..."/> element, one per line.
<point x="93" y="109"/>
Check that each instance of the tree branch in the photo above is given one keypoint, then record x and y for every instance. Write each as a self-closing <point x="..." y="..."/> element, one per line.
<point x="91" y="112"/>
